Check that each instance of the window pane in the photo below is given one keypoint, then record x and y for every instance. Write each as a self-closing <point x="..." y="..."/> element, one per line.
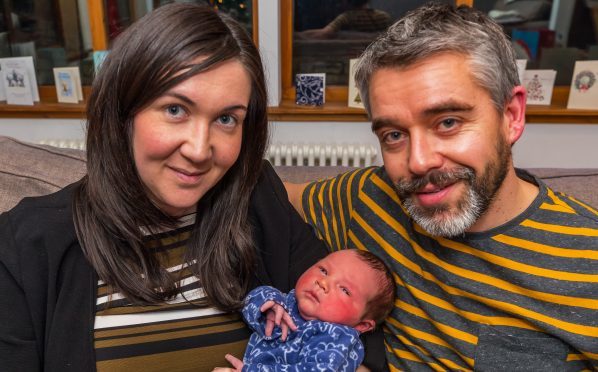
<point x="54" y="32"/>
<point x="549" y="34"/>
<point x="121" y="13"/>
<point x="329" y="33"/>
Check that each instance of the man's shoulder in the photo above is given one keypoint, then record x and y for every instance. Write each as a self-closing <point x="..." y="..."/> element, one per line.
<point x="358" y="176"/>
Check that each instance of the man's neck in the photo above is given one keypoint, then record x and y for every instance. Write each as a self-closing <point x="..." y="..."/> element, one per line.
<point x="512" y="198"/>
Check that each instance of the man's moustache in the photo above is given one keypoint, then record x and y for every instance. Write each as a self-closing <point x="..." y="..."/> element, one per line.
<point x="437" y="178"/>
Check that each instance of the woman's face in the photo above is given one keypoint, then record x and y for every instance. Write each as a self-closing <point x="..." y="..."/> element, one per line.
<point x="187" y="139"/>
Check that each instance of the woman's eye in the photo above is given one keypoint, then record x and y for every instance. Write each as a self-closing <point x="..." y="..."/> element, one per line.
<point x="227" y="119"/>
<point x="175" y="110"/>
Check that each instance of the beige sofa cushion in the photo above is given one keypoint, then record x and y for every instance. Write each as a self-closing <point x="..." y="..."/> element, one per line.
<point x="30" y="170"/>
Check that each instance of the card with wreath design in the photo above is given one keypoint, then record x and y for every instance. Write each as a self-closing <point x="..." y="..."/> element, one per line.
<point x="584" y="87"/>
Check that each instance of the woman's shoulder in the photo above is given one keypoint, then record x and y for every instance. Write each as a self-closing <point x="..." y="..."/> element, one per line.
<point x="39" y="219"/>
<point x="269" y="188"/>
<point x="43" y="205"/>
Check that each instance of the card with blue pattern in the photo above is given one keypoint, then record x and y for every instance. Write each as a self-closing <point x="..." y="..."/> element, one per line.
<point x="310" y="89"/>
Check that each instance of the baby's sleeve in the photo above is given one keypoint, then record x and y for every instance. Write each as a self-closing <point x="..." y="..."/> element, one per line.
<point x="254" y="318"/>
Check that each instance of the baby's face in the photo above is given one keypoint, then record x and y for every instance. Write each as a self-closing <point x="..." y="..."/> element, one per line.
<point x="337" y="289"/>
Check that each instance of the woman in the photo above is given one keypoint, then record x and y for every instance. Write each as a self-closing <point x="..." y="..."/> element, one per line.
<point x="141" y="264"/>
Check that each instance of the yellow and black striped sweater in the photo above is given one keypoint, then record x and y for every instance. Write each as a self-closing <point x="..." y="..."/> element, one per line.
<point x="522" y="295"/>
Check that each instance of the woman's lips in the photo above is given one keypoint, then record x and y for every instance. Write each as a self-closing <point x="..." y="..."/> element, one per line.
<point x="187" y="176"/>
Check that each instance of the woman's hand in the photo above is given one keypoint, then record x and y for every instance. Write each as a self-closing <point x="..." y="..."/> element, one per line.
<point x="277" y="315"/>
<point x="236" y="363"/>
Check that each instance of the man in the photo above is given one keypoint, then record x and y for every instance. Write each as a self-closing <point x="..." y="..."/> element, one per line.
<point x="494" y="270"/>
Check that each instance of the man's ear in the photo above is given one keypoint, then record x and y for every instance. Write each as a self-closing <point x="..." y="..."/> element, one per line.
<point x="514" y="114"/>
<point x="365" y="325"/>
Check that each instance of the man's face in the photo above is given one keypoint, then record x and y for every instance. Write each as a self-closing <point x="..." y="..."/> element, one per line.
<point x="443" y="143"/>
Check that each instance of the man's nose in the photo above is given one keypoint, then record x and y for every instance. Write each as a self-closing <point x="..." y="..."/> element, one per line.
<point x="423" y="154"/>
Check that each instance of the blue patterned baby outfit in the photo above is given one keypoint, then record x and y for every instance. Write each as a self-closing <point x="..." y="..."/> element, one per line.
<point x="315" y="346"/>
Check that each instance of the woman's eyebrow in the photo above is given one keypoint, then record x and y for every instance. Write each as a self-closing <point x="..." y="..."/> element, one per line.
<point x="182" y="97"/>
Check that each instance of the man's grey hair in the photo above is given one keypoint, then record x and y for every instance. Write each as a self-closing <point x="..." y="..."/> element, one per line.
<point x="436" y="28"/>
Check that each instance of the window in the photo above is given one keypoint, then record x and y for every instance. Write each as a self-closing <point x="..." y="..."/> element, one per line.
<point x="122" y="13"/>
<point x="573" y="25"/>
<point x="326" y="35"/>
<point x="60" y="33"/>
<point x="55" y="33"/>
<point x="550" y="34"/>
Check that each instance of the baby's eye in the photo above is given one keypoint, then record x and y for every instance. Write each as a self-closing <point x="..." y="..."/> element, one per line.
<point x="346" y="291"/>
<point x="323" y="270"/>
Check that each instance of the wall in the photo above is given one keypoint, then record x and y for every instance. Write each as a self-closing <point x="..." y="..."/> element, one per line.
<point x="541" y="146"/>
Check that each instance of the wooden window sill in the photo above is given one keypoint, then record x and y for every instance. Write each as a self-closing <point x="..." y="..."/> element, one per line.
<point x="557" y="112"/>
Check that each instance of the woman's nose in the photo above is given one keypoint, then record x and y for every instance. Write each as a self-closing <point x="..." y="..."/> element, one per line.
<point x="197" y="147"/>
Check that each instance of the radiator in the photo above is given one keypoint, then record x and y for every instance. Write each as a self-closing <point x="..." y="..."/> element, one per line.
<point x="310" y="154"/>
<point x="64" y="143"/>
<point x="322" y="154"/>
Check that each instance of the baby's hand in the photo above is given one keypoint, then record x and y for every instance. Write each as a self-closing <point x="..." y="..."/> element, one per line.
<point x="237" y="365"/>
<point x="277" y="315"/>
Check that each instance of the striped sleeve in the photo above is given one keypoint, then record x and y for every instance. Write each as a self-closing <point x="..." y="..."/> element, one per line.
<point x="328" y="205"/>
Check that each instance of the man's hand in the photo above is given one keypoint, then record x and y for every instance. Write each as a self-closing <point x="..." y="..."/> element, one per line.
<point x="277" y="315"/>
<point x="236" y="363"/>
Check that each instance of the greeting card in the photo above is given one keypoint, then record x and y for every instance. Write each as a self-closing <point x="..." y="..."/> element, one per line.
<point x="521" y="65"/>
<point x="310" y="89"/>
<point x="17" y="87"/>
<point x="539" y="85"/>
<point x="68" y="84"/>
<point x="354" y="99"/>
<point x="6" y="67"/>
<point x="98" y="58"/>
<point x="584" y="90"/>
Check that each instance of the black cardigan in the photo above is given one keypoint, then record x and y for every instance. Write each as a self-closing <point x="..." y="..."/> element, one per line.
<point x="48" y="288"/>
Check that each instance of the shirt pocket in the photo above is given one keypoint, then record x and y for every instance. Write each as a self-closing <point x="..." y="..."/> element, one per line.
<point x="518" y="350"/>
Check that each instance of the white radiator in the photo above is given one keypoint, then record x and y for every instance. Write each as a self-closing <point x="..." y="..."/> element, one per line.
<point x="65" y="143"/>
<point x="322" y="154"/>
<point x="310" y="154"/>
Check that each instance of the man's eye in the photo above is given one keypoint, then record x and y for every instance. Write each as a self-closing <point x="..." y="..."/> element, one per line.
<point x="392" y="137"/>
<point x="448" y="123"/>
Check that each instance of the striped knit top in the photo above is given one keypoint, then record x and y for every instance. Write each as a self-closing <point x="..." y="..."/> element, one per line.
<point x="182" y="334"/>
<point x="521" y="295"/>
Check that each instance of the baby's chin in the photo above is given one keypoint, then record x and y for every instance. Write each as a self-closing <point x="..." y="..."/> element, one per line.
<point x="304" y="311"/>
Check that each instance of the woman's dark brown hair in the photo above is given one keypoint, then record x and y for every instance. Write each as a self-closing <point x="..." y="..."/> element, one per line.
<point x="111" y="206"/>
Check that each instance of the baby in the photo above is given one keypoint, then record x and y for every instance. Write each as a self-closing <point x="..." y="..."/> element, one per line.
<point x="346" y="293"/>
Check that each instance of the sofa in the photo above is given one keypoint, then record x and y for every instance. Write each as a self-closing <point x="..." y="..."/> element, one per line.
<point x="28" y="169"/>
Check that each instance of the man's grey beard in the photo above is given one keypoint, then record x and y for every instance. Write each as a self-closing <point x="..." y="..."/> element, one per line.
<point x="443" y="220"/>
<point x="452" y="223"/>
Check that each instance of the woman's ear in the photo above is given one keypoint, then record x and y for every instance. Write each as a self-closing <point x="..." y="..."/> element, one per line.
<point x="365" y="325"/>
